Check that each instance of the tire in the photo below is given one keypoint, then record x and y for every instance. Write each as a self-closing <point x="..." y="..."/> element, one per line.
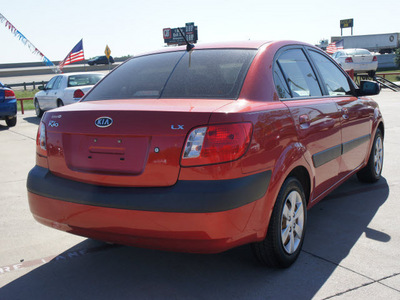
<point x="372" y="171"/>
<point x="286" y="229"/>
<point x="60" y="103"/>
<point x="38" y="110"/>
<point x="371" y="73"/>
<point x="11" y="121"/>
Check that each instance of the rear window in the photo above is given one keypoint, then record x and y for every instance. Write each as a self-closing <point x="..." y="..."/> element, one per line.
<point x="84" y="79"/>
<point x="351" y="52"/>
<point x="216" y="74"/>
<point x="362" y="52"/>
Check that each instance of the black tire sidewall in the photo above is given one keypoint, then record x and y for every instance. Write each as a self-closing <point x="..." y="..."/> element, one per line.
<point x="11" y="122"/>
<point x="371" y="162"/>
<point x="285" y="259"/>
<point x="368" y="174"/>
<point x="38" y="110"/>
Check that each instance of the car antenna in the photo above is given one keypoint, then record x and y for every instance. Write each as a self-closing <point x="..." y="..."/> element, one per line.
<point x="189" y="46"/>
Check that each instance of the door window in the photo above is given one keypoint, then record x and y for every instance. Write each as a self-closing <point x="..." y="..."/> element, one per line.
<point x="50" y="84"/>
<point x="335" y="81"/>
<point x="299" y="74"/>
<point x="56" y="85"/>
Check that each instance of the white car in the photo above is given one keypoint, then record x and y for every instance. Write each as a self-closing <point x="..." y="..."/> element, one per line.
<point x="359" y="60"/>
<point x="64" y="89"/>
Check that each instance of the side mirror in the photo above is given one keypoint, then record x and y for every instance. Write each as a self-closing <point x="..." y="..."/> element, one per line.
<point x="41" y="87"/>
<point x="368" y="88"/>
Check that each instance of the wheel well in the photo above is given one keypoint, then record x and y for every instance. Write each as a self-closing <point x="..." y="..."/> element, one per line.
<point x="382" y="129"/>
<point x="302" y="175"/>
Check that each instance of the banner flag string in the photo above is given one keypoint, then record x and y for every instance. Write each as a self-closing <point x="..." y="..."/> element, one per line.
<point x="27" y="43"/>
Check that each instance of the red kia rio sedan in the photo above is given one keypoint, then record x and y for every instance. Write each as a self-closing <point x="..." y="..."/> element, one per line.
<point x="207" y="149"/>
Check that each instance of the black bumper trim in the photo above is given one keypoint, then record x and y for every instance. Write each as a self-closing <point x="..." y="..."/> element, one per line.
<point x="185" y="196"/>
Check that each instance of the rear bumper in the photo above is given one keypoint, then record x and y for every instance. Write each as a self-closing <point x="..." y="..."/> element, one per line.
<point x="8" y="108"/>
<point x="192" y="216"/>
<point x="185" y="196"/>
<point x="360" y="67"/>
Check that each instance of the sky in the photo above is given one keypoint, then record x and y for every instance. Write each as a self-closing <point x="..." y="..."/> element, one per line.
<point x="131" y="27"/>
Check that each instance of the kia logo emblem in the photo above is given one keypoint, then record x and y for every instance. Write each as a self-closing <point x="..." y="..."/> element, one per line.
<point x="103" y="122"/>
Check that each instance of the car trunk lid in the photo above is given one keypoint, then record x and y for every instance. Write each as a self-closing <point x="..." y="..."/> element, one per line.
<point x="123" y="142"/>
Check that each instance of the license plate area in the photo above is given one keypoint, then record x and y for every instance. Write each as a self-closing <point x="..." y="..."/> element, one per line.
<point x="119" y="155"/>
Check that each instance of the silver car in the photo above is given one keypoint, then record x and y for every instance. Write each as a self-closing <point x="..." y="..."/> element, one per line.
<point x="64" y="89"/>
<point x="359" y="60"/>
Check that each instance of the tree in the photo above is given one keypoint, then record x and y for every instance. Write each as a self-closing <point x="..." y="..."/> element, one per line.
<point x="397" y="57"/>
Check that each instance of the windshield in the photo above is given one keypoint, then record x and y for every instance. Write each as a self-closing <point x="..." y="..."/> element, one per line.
<point x="216" y="74"/>
<point x="84" y="79"/>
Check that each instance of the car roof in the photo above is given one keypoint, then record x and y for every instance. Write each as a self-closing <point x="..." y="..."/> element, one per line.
<point x="228" y="45"/>
<point x="354" y="49"/>
<point x="81" y="73"/>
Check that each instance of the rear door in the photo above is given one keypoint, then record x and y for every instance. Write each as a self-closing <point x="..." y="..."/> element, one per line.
<point x="316" y="118"/>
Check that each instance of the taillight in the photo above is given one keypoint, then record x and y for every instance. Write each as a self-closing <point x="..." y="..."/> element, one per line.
<point x="348" y="60"/>
<point x="216" y="144"/>
<point x="78" y="94"/>
<point x="9" y="94"/>
<point x="41" y="144"/>
<point x="375" y="58"/>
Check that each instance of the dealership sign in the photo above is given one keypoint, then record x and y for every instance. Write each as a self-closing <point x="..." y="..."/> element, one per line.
<point x="172" y="36"/>
<point x="347" y="23"/>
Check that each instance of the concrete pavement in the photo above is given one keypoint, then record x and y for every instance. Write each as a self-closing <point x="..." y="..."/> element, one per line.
<point x="351" y="250"/>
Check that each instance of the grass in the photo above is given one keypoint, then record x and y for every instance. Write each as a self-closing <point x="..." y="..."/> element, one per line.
<point x="391" y="77"/>
<point x="28" y="104"/>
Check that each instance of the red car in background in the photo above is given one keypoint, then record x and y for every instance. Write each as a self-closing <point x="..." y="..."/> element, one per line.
<point x="208" y="149"/>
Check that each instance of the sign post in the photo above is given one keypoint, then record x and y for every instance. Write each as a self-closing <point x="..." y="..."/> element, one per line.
<point x="107" y="52"/>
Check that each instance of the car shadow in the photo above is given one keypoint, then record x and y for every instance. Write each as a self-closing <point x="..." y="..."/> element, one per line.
<point x="32" y="120"/>
<point x="95" y="270"/>
<point x="4" y="127"/>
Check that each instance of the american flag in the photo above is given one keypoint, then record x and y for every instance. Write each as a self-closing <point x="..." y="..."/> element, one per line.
<point x="76" y="54"/>
<point x="334" y="46"/>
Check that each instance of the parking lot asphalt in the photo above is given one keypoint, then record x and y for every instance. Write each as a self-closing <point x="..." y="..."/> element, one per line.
<point x="351" y="249"/>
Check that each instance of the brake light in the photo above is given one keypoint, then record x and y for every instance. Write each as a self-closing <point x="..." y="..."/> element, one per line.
<point x="375" y="58"/>
<point x="41" y="144"/>
<point x="348" y="60"/>
<point x="216" y="144"/>
<point x="9" y="94"/>
<point x="78" y="94"/>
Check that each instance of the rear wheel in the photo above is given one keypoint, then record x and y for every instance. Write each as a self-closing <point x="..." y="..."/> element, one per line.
<point x="38" y="111"/>
<point x="372" y="171"/>
<point x="11" y="121"/>
<point x="371" y="73"/>
<point x="286" y="229"/>
<point x="60" y="103"/>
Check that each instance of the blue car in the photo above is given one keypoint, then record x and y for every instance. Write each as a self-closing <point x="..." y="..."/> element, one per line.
<point x="8" y="106"/>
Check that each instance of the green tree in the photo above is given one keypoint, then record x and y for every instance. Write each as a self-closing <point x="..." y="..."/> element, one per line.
<point x="397" y="57"/>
